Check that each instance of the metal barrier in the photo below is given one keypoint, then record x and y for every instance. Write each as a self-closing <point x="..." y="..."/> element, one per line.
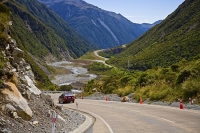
<point x="53" y="91"/>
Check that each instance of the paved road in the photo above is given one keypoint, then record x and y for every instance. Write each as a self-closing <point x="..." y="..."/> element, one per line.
<point x="117" y="117"/>
<point x="104" y="59"/>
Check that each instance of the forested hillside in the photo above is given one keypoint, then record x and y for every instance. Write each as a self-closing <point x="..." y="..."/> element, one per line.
<point x="43" y="34"/>
<point x="174" y="39"/>
<point x="162" y="65"/>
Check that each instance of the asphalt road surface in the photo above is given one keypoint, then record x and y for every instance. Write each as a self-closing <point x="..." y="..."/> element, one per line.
<point x="118" y="117"/>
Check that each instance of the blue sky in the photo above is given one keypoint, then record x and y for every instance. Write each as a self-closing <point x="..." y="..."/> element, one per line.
<point x="139" y="11"/>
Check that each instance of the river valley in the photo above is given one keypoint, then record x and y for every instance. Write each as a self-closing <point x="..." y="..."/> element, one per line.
<point x="76" y="74"/>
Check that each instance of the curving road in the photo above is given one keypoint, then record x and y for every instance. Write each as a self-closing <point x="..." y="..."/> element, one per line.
<point x="117" y="117"/>
<point x="104" y="59"/>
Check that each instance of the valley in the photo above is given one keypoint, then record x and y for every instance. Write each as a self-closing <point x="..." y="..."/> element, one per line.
<point x="52" y="45"/>
<point x="74" y="72"/>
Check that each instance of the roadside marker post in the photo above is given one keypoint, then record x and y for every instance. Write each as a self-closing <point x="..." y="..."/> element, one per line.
<point x="53" y="122"/>
<point x="76" y="106"/>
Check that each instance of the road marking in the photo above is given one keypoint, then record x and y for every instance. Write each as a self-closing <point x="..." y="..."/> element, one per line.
<point x="133" y="111"/>
<point x="167" y="120"/>
<point x="110" y="129"/>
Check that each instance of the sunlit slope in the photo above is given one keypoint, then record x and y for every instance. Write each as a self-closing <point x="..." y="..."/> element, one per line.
<point x="174" y="39"/>
<point x="43" y="33"/>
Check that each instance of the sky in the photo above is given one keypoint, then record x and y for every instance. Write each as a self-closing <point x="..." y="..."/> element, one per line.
<point x="139" y="11"/>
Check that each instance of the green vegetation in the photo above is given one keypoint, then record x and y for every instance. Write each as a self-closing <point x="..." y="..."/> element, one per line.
<point x="41" y="78"/>
<point x="42" y="33"/>
<point x="4" y="20"/>
<point x="160" y="84"/>
<point x="90" y="56"/>
<point x="168" y="56"/>
<point x="108" y="53"/>
<point x="98" y="68"/>
<point x="65" y="88"/>
<point x="91" y="26"/>
<point x="174" y="39"/>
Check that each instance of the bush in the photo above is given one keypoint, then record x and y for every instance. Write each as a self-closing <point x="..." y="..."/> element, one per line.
<point x="174" y="68"/>
<point x="65" y="88"/>
<point x="191" y="88"/>
<point x="183" y="76"/>
<point x="159" y="95"/>
<point x="4" y="8"/>
<point x="142" y="80"/>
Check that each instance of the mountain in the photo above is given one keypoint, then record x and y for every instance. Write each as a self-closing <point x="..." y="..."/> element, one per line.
<point x="43" y="34"/>
<point x="174" y="39"/>
<point x="23" y="107"/>
<point x="103" y="28"/>
<point x="148" y="26"/>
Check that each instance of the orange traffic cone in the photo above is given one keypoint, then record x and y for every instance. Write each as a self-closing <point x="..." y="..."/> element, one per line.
<point x="106" y="98"/>
<point x="181" y="104"/>
<point x="140" y="100"/>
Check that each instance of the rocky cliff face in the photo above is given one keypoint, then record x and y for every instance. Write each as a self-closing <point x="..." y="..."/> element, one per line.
<point x="23" y="108"/>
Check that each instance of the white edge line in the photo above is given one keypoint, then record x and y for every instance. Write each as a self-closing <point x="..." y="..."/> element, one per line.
<point x="136" y="112"/>
<point x="167" y="120"/>
<point x="110" y="129"/>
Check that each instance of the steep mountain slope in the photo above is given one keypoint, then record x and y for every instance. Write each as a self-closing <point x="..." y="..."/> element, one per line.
<point x="43" y="34"/>
<point x="104" y="29"/>
<point x="23" y="107"/>
<point x="174" y="39"/>
<point x="148" y="26"/>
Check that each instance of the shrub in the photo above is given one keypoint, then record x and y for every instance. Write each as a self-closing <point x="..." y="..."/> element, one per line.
<point x="174" y="68"/>
<point x="183" y="76"/>
<point x="159" y="95"/>
<point x="3" y="37"/>
<point x="191" y="88"/>
<point x="4" y="8"/>
<point x="65" y="88"/>
<point x="142" y="80"/>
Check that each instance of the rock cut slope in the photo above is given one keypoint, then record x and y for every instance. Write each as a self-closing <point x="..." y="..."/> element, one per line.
<point x="23" y="107"/>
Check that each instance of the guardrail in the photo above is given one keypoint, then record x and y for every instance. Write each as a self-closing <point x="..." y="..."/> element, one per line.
<point x="53" y="91"/>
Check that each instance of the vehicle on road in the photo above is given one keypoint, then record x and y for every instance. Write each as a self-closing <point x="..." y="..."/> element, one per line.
<point x="66" y="97"/>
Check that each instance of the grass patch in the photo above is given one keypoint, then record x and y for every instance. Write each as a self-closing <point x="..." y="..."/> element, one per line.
<point x="90" y="56"/>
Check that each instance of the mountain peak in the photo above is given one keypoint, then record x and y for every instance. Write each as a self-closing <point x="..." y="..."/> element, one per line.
<point x="103" y="28"/>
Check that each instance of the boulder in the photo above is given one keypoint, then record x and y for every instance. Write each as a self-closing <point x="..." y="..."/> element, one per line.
<point x="19" y="103"/>
<point x="61" y="119"/>
<point x="18" y="54"/>
<point x="36" y="123"/>
<point x="14" y="115"/>
<point x="31" y="86"/>
<point x="10" y="107"/>
<point x="125" y="99"/>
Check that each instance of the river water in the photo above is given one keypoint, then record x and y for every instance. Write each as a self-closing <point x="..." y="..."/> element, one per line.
<point x="78" y="74"/>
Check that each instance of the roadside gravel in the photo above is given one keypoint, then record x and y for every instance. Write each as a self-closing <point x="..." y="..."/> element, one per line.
<point x="42" y="106"/>
<point x="115" y="97"/>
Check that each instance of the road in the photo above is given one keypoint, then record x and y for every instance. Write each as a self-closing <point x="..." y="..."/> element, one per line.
<point x="118" y="117"/>
<point x="104" y="59"/>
